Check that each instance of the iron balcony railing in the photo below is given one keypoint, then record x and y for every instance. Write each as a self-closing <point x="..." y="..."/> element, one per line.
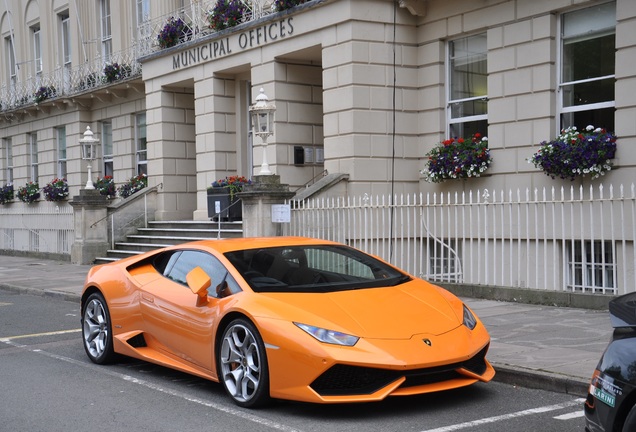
<point x="93" y="74"/>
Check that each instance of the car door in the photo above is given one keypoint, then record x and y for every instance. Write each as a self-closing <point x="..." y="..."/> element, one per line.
<point x="170" y="311"/>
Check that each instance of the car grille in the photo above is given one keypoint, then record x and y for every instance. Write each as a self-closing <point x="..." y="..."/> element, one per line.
<point x="343" y="379"/>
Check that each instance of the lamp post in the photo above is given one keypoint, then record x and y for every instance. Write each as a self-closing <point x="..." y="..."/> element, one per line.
<point x="262" y="113"/>
<point x="89" y="153"/>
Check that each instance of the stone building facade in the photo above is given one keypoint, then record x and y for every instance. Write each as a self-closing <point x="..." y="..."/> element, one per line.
<point x="362" y="87"/>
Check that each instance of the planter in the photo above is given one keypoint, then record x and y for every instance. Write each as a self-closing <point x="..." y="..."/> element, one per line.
<point x="220" y="205"/>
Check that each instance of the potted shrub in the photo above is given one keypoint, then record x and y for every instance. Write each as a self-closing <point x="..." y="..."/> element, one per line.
<point x="29" y="192"/>
<point x="6" y="193"/>
<point x="281" y="5"/>
<point x="222" y="200"/>
<point x="577" y="153"/>
<point x="89" y="81"/>
<point x="44" y="93"/>
<point x="115" y="72"/>
<point x="134" y="184"/>
<point x="226" y="14"/>
<point x="457" y="158"/>
<point x="173" y="32"/>
<point x="106" y="186"/>
<point x="56" y="190"/>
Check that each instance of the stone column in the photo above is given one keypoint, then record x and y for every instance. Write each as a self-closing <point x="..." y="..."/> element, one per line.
<point x="258" y="199"/>
<point x="91" y="226"/>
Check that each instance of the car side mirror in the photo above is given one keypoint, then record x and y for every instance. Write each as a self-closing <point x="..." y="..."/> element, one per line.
<point x="199" y="282"/>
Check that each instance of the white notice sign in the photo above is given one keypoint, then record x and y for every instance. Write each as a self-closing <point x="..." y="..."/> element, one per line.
<point x="281" y="213"/>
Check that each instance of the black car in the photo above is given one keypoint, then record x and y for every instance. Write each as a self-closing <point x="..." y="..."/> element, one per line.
<point x="611" y="401"/>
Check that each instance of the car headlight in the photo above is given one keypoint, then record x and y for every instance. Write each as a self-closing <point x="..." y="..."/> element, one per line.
<point x="469" y="318"/>
<point x="329" y="336"/>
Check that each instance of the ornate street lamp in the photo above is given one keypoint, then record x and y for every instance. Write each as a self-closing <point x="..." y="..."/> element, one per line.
<point x="89" y="153"/>
<point x="263" y="122"/>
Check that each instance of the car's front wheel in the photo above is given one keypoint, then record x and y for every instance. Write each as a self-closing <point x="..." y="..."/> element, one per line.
<point x="243" y="364"/>
<point x="97" y="330"/>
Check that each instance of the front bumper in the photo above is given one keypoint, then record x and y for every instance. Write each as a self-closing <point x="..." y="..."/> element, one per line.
<point x="306" y="370"/>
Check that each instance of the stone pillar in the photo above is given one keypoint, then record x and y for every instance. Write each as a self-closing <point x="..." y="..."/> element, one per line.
<point x="258" y="198"/>
<point x="91" y="226"/>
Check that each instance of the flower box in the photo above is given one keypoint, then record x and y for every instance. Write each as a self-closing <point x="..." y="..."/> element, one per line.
<point x="458" y="158"/>
<point x="577" y="153"/>
<point x="224" y="205"/>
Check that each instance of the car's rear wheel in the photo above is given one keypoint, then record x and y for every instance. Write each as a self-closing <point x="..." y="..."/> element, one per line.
<point x="630" y="421"/>
<point x="243" y="364"/>
<point x="97" y="330"/>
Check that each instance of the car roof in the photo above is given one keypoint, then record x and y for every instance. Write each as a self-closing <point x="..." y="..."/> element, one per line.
<point x="243" y="243"/>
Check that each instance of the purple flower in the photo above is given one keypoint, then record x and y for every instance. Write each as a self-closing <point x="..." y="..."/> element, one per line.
<point x="575" y="153"/>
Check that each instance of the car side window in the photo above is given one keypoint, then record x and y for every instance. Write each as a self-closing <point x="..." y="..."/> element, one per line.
<point x="187" y="260"/>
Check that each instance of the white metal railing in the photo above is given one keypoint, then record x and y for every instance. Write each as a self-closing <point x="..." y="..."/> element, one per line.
<point x="568" y="239"/>
<point x="195" y="18"/>
<point x="90" y="74"/>
<point x="44" y="227"/>
<point x="66" y="82"/>
<point x="126" y="216"/>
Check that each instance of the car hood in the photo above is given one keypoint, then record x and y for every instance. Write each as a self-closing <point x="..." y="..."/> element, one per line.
<point x="398" y="312"/>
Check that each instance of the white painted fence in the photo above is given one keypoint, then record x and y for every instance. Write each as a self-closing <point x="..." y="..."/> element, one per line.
<point x="570" y="239"/>
<point x="42" y="227"/>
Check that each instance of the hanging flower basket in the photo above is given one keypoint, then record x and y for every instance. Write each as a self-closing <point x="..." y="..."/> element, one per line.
<point x="6" y="193"/>
<point x="281" y="5"/>
<point x="226" y="14"/>
<point x="174" y="31"/>
<point x="56" y="190"/>
<point x="577" y="154"/>
<point x="44" y="93"/>
<point x="29" y="192"/>
<point x="115" y="72"/>
<point x="135" y="184"/>
<point x="106" y="186"/>
<point x="458" y="158"/>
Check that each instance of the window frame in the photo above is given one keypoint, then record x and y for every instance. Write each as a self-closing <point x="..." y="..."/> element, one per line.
<point x="12" y="64"/>
<point x="106" y="34"/>
<point x="141" y="144"/>
<point x="37" y="50"/>
<point x="7" y="144"/>
<point x="561" y="84"/>
<point x="450" y="102"/>
<point x="65" y="39"/>
<point x="61" y="150"/>
<point x="585" y="270"/>
<point x="107" y="141"/>
<point x="444" y="260"/>
<point x="142" y="11"/>
<point x="33" y="156"/>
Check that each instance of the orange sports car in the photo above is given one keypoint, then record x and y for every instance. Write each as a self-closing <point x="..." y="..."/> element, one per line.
<point x="286" y="318"/>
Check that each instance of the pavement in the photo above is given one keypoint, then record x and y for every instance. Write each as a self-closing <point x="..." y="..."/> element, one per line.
<point x="545" y="347"/>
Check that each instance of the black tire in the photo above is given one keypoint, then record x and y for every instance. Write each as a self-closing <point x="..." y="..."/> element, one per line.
<point x="97" y="331"/>
<point x="242" y="364"/>
<point x="630" y="421"/>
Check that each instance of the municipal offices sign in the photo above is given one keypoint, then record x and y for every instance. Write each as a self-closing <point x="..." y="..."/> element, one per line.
<point x="248" y="39"/>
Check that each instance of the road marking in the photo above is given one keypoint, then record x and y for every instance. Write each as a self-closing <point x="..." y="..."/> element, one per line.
<point x="175" y="393"/>
<point x="570" y="416"/>
<point x="55" y="333"/>
<point x="5" y="304"/>
<point x="517" y="414"/>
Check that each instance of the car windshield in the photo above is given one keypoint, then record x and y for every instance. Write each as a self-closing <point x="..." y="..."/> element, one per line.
<point x="312" y="269"/>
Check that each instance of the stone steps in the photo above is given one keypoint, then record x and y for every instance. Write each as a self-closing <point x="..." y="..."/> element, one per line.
<point x="160" y="234"/>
